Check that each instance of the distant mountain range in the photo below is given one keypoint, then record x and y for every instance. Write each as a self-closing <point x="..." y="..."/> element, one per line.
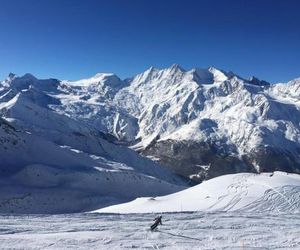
<point x="199" y="123"/>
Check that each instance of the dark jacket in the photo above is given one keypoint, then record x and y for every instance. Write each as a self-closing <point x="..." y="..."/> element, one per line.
<point x="157" y="222"/>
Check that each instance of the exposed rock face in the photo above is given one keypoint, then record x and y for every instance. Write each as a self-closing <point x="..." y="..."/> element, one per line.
<point x="270" y="159"/>
<point x="200" y="161"/>
<point x="196" y="160"/>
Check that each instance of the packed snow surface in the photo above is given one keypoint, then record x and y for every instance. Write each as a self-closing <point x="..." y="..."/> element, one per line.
<point x="277" y="191"/>
<point x="205" y="231"/>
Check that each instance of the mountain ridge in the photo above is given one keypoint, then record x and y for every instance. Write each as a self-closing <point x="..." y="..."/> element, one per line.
<point x="184" y="118"/>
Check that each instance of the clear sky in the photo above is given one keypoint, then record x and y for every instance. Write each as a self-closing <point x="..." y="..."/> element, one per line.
<point x="72" y="39"/>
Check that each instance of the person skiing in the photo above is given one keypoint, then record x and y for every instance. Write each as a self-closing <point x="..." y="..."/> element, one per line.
<point x="156" y="223"/>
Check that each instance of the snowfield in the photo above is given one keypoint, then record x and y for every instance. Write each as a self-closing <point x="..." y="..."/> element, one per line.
<point x="275" y="192"/>
<point x="231" y="230"/>
<point x="240" y="211"/>
<point x="42" y="177"/>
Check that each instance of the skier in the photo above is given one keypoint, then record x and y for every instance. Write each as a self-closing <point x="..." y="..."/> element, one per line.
<point x="157" y="221"/>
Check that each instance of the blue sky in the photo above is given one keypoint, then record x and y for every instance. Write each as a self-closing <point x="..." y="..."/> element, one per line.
<point x="71" y="39"/>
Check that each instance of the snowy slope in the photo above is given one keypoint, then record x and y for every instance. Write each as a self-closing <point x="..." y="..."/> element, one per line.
<point x="52" y="163"/>
<point x="39" y="176"/>
<point x="205" y="231"/>
<point x="278" y="192"/>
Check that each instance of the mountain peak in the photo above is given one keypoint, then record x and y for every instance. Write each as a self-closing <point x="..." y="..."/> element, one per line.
<point x="212" y="69"/>
<point x="209" y="75"/>
<point x="105" y="79"/>
<point x="176" y="67"/>
<point x="255" y="81"/>
<point x="28" y="76"/>
<point x="150" y="70"/>
<point x="11" y="76"/>
<point x="102" y="75"/>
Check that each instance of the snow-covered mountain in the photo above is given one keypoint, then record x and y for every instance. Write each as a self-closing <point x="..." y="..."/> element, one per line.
<point x="206" y="122"/>
<point x="52" y="163"/>
<point x="201" y="123"/>
<point x="266" y="192"/>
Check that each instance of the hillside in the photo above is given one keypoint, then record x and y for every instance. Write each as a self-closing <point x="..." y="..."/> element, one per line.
<point x="51" y="163"/>
<point x="255" y="193"/>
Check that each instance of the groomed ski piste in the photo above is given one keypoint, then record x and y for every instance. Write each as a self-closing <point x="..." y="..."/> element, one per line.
<point x="239" y="211"/>
<point x="266" y="192"/>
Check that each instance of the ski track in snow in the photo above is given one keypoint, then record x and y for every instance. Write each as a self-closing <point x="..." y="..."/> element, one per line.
<point x="179" y="231"/>
<point x="267" y="192"/>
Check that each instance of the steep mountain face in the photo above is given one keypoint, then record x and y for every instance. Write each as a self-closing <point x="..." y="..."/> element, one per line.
<point x="205" y="123"/>
<point x="201" y="123"/>
<point x="91" y="101"/>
